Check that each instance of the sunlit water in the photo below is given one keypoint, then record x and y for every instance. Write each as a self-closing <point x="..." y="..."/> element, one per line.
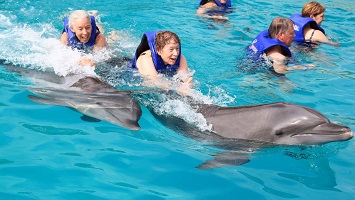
<point x="48" y="152"/>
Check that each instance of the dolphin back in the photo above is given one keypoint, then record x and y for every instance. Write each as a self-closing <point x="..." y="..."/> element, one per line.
<point x="88" y="95"/>
<point x="116" y="107"/>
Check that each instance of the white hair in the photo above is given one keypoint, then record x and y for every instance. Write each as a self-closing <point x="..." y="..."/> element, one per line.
<point x="78" y="14"/>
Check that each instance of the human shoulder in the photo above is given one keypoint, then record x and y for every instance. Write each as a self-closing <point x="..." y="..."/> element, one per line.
<point x="64" y="38"/>
<point x="209" y="4"/>
<point x="274" y="50"/>
<point x="145" y="64"/>
<point x="100" y="41"/>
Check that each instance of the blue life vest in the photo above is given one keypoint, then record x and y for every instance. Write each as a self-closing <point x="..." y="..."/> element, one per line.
<point x="74" y="42"/>
<point x="148" y="43"/>
<point x="263" y="42"/>
<point x="299" y="24"/>
<point x="228" y="4"/>
<point x="225" y="8"/>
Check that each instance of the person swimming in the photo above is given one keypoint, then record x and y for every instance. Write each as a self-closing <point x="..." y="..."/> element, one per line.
<point x="214" y="9"/>
<point x="160" y="53"/>
<point x="272" y="46"/>
<point x="81" y="32"/>
<point x="307" y="25"/>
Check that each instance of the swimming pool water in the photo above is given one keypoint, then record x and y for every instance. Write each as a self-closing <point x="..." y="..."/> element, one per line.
<point x="48" y="152"/>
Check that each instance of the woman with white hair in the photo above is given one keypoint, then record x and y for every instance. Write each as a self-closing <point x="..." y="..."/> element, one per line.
<point x="81" y="32"/>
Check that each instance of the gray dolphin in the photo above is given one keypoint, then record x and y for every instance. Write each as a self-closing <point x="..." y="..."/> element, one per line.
<point x="276" y="123"/>
<point x="88" y="95"/>
<point x="240" y="129"/>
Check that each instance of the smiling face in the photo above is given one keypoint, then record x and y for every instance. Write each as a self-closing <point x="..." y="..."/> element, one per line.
<point x="170" y="52"/>
<point x="82" y="29"/>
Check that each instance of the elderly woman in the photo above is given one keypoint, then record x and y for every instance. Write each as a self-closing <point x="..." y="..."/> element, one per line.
<point x="160" y="53"/>
<point x="81" y="32"/>
<point x="308" y="28"/>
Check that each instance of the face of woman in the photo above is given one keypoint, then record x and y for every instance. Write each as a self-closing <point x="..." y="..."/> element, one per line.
<point x="318" y="18"/>
<point x="82" y="29"/>
<point x="170" y="52"/>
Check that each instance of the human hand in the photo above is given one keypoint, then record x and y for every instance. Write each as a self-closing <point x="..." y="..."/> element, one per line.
<point x="220" y="18"/>
<point x="188" y="80"/>
<point x="308" y="66"/>
<point x="87" y="62"/>
<point x="184" y="89"/>
<point x="335" y="44"/>
<point x="183" y="86"/>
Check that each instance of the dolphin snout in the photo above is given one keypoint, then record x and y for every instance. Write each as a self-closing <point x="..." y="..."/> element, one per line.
<point x="351" y="134"/>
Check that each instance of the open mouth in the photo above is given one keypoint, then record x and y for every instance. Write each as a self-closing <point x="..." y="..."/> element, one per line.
<point x="172" y="60"/>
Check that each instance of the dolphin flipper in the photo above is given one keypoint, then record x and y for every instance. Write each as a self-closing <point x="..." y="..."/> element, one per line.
<point x="89" y="119"/>
<point x="225" y="159"/>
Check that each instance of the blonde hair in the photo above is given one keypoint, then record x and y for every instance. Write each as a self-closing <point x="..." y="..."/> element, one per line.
<point x="312" y="8"/>
<point x="78" y="14"/>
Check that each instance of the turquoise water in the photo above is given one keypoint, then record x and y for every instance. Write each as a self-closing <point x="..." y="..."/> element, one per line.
<point x="48" y="152"/>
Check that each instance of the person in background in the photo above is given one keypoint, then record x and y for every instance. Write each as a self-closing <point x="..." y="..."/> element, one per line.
<point x="81" y="32"/>
<point x="160" y="53"/>
<point x="307" y="25"/>
<point x="272" y="46"/>
<point x="214" y="9"/>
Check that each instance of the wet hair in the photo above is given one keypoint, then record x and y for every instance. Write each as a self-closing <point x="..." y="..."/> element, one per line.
<point x="203" y="2"/>
<point x="312" y="8"/>
<point x="78" y="14"/>
<point x="163" y="38"/>
<point x="279" y="24"/>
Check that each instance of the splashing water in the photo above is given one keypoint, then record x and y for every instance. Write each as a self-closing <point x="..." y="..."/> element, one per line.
<point x="37" y="46"/>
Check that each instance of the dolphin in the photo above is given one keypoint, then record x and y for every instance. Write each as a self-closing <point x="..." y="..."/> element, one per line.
<point x="242" y="128"/>
<point x="275" y="123"/>
<point x="88" y="95"/>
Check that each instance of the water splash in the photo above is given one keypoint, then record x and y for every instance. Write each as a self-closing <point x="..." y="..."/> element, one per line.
<point x="37" y="46"/>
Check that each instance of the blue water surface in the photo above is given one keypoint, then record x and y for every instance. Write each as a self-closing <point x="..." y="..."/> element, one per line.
<point x="48" y="152"/>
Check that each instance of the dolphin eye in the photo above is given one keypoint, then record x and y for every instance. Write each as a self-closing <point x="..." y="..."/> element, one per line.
<point x="279" y="132"/>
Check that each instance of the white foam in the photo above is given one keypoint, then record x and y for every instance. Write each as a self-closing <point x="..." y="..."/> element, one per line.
<point x="184" y="111"/>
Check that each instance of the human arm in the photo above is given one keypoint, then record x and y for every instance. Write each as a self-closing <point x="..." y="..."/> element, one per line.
<point x="202" y="12"/>
<point x="279" y="62"/>
<point x="100" y="43"/>
<point x="64" y="38"/>
<point x="151" y="76"/>
<point x="185" y="77"/>
<point x="317" y="36"/>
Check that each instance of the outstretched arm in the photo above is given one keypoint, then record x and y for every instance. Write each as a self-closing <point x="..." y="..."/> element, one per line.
<point x="201" y="11"/>
<point x="319" y="37"/>
<point x="279" y="62"/>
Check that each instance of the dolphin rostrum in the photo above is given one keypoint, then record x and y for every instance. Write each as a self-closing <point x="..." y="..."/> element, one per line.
<point x="88" y="95"/>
